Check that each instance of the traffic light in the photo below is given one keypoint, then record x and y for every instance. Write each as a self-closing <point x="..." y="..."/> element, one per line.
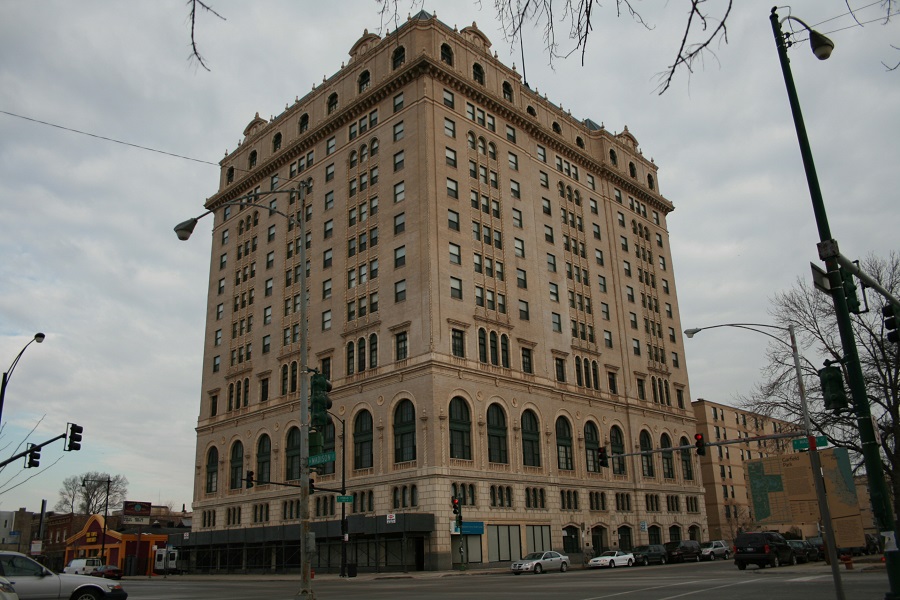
<point x="248" y="480"/>
<point x="602" y="456"/>
<point x="891" y="314"/>
<point x="312" y="487"/>
<point x="850" y="292"/>
<point x="457" y="510"/>
<point x="833" y="395"/>
<point x="74" y="439"/>
<point x="34" y="456"/>
<point x="700" y="443"/>
<point x="320" y="403"/>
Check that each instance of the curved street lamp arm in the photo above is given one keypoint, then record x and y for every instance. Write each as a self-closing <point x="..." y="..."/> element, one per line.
<point x="186" y="228"/>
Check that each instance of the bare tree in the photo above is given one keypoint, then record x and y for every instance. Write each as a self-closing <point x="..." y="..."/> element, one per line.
<point x="86" y="493"/>
<point x="812" y="315"/>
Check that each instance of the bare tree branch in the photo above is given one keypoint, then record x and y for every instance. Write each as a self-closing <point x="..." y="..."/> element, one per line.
<point x="195" y="51"/>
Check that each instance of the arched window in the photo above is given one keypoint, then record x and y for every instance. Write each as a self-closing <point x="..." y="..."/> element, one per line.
<point x="236" y="480"/>
<point x="654" y="533"/>
<point x="353" y="158"/>
<point x="564" y="444"/>
<point x="447" y="54"/>
<point x="351" y="350"/>
<point x="328" y="446"/>
<point x="492" y="151"/>
<point x="632" y="170"/>
<point x="363" y="153"/>
<point x="404" y="432"/>
<point x="294" y="376"/>
<point x="398" y="58"/>
<point x="229" y="176"/>
<point x="613" y="158"/>
<point x="284" y="379"/>
<point x="212" y="470"/>
<point x="674" y="533"/>
<point x="364" y="81"/>
<point x="292" y="455"/>
<point x="687" y="463"/>
<point x="303" y="124"/>
<point x="252" y="160"/>
<point x="531" y="440"/>
<point x="482" y="145"/>
<point x="373" y="147"/>
<point x="591" y="447"/>
<point x="482" y="345"/>
<point x="460" y="430"/>
<point x="507" y="91"/>
<point x="264" y="459"/>
<point x="504" y="351"/>
<point x="332" y="102"/>
<point x="495" y="356"/>
<point x="276" y="142"/>
<point x="362" y="441"/>
<point x="650" y="183"/>
<point x="617" y="447"/>
<point x="646" y="459"/>
<point x="471" y="137"/>
<point x="373" y="350"/>
<point x="579" y="142"/>
<point x="556" y="127"/>
<point x="668" y="459"/>
<point x="496" y="424"/>
<point x="361" y="355"/>
<point x="478" y="73"/>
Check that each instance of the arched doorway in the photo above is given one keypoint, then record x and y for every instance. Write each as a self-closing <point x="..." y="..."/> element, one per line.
<point x="599" y="539"/>
<point x="625" y="540"/>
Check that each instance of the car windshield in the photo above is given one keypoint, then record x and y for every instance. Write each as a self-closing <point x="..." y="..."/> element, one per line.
<point x="534" y="556"/>
<point x="609" y="553"/>
<point x="706" y="545"/>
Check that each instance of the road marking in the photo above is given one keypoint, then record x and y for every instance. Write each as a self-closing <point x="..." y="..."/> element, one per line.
<point x="809" y="578"/>
<point x="656" y="587"/>
<point x="707" y="589"/>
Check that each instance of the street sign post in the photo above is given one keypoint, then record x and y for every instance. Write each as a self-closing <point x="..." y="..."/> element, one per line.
<point x="803" y="443"/>
<point x="345" y="499"/>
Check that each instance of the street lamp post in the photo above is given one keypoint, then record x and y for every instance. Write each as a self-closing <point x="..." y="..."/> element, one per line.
<point x="7" y="375"/>
<point x="815" y="460"/>
<point x="184" y="230"/>
<point x="108" y="481"/>
<point x="828" y="251"/>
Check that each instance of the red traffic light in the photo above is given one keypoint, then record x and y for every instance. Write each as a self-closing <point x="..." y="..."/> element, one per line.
<point x="700" y="444"/>
<point x="455" y="504"/>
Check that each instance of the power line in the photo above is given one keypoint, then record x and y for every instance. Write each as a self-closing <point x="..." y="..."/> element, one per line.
<point x="107" y="139"/>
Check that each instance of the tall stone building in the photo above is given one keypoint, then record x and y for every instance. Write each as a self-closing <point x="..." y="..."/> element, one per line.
<point x="492" y="294"/>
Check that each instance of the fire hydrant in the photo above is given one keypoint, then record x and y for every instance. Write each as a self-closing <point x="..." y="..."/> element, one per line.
<point x="847" y="559"/>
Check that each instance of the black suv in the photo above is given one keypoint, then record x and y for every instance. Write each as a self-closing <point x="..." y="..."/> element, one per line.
<point x="644" y="555"/>
<point x="763" y="548"/>
<point x="683" y="550"/>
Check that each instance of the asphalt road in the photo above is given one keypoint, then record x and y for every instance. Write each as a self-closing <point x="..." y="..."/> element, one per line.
<point x="719" y="580"/>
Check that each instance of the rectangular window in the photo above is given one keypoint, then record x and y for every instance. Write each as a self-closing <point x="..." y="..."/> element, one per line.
<point x="456" y="288"/>
<point x="455" y="257"/>
<point x="452" y="188"/>
<point x="450" y="155"/>
<point x="449" y="128"/>
<point x="513" y="162"/>
<point x="398" y="101"/>
<point x="523" y="310"/>
<point x="453" y="220"/>
<point x="330" y="145"/>
<point x="400" y="291"/>
<point x="401" y="345"/>
<point x="399" y="159"/>
<point x="399" y="192"/>
<point x="398" y="131"/>
<point x="448" y="98"/>
<point x="511" y="134"/>
<point x="514" y="189"/>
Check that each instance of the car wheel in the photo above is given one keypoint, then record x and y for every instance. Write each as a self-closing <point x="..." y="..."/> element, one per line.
<point x="712" y="556"/>
<point x="646" y="561"/>
<point x="630" y="562"/>
<point x="612" y="563"/>
<point x="776" y="562"/>
<point x="793" y="559"/>
<point x="538" y="569"/>
<point x="697" y="559"/>
<point x="727" y="556"/>
<point x="741" y="566"/>
<point x="662" y="561"/>
<point x="86" y="595"/>
<point x="563" y="568"/>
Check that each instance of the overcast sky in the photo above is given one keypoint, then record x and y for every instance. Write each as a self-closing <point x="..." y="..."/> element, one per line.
<point x="88" y="256"/>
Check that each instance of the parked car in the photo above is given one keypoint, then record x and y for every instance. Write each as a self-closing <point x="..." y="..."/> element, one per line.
<point x="762" y="548"/>
<point x="715" y="549"/>
<point x="612" y="559"/>
<point x="804" y="551"/>
<point x="107" y="572"/>
<point x="683" y="550"/>
<point x="644" y="555"/>
<point x="82" y="566"/>
<point x="33" y="581"/>
<point x="538" y="562"/>
<point x="818" y="543"/>
<point x="6" y="590"/>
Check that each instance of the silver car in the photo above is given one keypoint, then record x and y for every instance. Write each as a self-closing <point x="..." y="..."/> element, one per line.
<point x="32" y="580"/>
<point x="538" y="562"/>
<point x="715" y="549"/>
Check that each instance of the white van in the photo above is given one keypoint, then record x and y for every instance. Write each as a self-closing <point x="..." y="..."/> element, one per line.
<point x="82" y="566"/>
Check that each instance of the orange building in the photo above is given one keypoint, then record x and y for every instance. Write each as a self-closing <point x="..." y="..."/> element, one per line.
<point x="131" y="550"/>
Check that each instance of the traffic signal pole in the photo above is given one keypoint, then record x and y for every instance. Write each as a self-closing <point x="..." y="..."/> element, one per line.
<point x="306" y="548"/>
<point x="829" y="253"/>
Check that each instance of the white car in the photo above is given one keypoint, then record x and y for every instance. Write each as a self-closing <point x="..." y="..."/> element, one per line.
<point x="611" y="559"/>
<point x="32" y="581"/>
<point x="6" y="590"/>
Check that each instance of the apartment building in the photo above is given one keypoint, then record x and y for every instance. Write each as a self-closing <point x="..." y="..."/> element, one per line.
<point x="491" y="293"/>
